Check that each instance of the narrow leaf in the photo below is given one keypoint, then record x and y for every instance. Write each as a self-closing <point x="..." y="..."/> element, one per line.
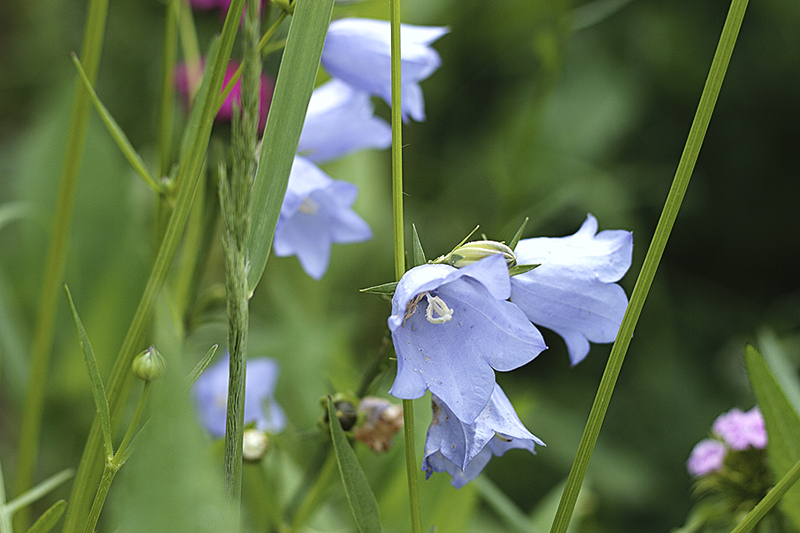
<point x="783" y="427"/>
<point x="518" y="234"/>
<point x="419" y="254"/>
<point x="202" y="364"/>
<point x="359" y="495"/>
<point x="116" y="132"/>
<point x="98" y="390"/>
<point x="49" y="518"/>
<point x="38" y="491"/>
<point x="384" y="288"/>
<point x="287" y="112"/>
<point x="516" y="270"/>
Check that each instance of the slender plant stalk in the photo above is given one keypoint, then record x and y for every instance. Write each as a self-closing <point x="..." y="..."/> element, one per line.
<point x="234" y="194"/>
<point x="670" y="212"/>
<point x="399" y="252"/>
<point x="166" y="99"/>
<point x="117" y="389"/>
<point x="56" y="256"/>
<point x="315" y="494"/>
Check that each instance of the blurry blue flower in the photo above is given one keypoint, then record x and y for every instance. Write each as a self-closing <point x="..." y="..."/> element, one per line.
<point x="358" y="52"/>
<point x="707" y="456"/>
<point x="315" y="214"/>
<point x="451" y="327"/>
<point x="340" y="121"/>
<point x="211" y="396"/>
<point x="574" y="292"/>
<point x="742" y="430"/>
<point x="463" y="450"/>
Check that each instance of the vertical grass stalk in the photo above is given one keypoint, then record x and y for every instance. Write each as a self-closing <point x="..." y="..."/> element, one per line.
<point x="56" y="256"/>
<point x="672" y="205"/>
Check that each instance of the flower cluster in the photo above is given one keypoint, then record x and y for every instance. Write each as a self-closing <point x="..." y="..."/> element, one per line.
<point x="453" y="327"/>
<point x="734" y="431"/>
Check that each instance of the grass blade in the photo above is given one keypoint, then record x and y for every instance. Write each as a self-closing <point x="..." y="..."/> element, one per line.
<point x="49" y="518"/>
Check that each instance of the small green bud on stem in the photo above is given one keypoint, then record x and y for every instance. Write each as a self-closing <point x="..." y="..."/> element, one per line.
<point x="149" y="364"/>
<point x="471" y="252"/>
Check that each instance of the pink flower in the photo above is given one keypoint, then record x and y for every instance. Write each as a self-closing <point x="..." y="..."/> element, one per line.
<point x="742" y="430"/>
<point x="706" y="457"/>
<point x="225" y="113"/>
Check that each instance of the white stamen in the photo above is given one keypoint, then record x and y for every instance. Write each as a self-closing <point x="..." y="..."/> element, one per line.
<point x="437" y="305"/>
<point x="309" y="206"/>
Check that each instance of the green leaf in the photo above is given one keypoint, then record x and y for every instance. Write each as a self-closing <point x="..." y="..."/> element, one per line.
<point x="49" y="518"/>
<point x="359" y="495"/>
<point x="202" y="364"/>
<point x="516" y="270"/>
<point x="518" y="234"/>
<point x="38" y="491"/>
<point x="98" y="390"/>
<point x="416" y="246"/>
<point x="116" y="132"/>
<point x="783" y="427"/>
<point x="384" y="288"/>
<point x="293" y="88"/>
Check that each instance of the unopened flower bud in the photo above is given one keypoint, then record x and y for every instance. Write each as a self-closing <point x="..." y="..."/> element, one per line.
<point x="255" y="444"/>
<point x="475" y="251"/>
<point x="149" y="364"/>
<point x="344" y="406"/>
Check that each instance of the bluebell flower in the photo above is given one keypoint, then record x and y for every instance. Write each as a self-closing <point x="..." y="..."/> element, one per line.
<point x="340" y="120"/>
<point x="574" y="292"/>
<point x="358" y="52"/>
<point x="463" y="450"/>
<point x="315" y="214"/>
<point x="211" y="396"/>
<point x="451" y="327"/>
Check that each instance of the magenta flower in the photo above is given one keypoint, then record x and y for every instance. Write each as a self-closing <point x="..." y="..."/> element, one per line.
<point x="358" y="51"/>
<point x="463" y="450"/>
<point x="225" y="114"/>
<point x="707" y="456"/>
<point x="573" y="291"/>
<point x="742" y="430"/>
<point x="211" y="396"/>
<point x="451" y="329"/>
<point x="315" y="214"/>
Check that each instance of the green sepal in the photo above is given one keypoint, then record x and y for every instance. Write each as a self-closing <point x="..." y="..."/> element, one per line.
<point x="384" y="288"/>
<point x="98" y="390"/>
<point x="116" y="132"/>
<point x="518" y="235"/>
<point x="202" y="364"/>
<point x="783" y="427"/>
<point x="416" y="247"/>
<point x="49" y="518"/>
<point x="356" y="487"/>
<point x="516" y="270"/>
<point x="443" y="258"/>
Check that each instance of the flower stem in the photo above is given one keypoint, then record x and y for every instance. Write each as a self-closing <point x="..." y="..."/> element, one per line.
<point x="399" y="251"/>
<point x="670" y="212"/>
<point x="314" y="495"/>
<point x="57" y="253"/>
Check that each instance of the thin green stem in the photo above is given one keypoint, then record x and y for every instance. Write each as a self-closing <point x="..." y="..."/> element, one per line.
<point x="769" y="501"/>
<point x="122" y="450"/>
<point x="166" y="99"/>
<point x="314" y="495"/>
<point x="670" y="212"/>
<point x="399" y="252"/>
<point x="56" y="256"/>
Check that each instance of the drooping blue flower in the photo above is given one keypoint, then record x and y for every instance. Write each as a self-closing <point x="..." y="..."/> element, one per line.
<point x="573" y="291"/>
<point x="315" y="214"/>
<point x="358" y="51"/>
<point x="211" y="396"/>
<point x="463" y="450"/>
<point x="340" y="120"/>
<point x="451" y="327"/>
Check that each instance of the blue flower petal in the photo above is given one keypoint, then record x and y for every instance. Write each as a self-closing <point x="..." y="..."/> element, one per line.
<point x="573" y="291"/>
<point x="315" y="214"/>
<point x="463" y="450"/>
<point x="455" y="359"/>
<point x="357" y="51"/>
<point x="340" y="121"/>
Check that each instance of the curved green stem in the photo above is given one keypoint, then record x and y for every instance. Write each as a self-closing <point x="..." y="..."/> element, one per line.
<point x="670" y="212"/>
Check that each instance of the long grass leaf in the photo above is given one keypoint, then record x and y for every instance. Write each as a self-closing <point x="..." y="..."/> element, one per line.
<point x="49" y="518"/>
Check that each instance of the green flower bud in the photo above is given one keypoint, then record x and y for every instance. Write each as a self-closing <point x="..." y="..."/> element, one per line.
<point x="149" y="364"/>
<point x="344" y="404"/>
<point x="471" y="252"/>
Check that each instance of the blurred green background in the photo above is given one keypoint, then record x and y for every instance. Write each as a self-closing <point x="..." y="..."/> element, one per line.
<point x="542" y="109"/>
